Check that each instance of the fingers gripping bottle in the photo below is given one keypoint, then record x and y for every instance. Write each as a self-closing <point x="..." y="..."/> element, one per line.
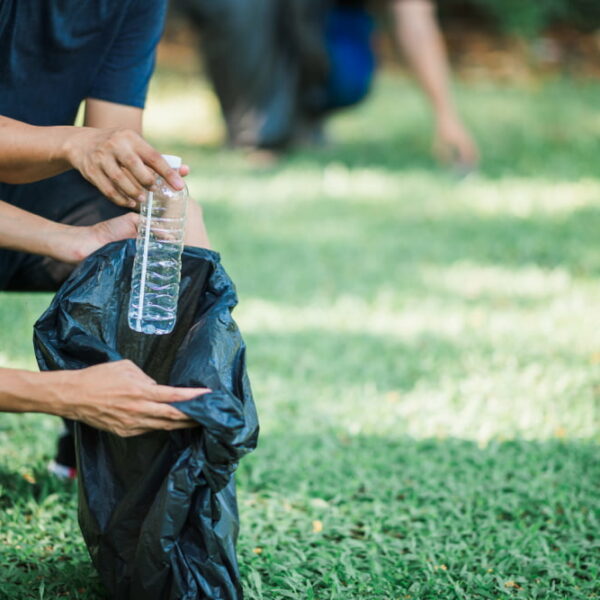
<point x="157" y="263"/>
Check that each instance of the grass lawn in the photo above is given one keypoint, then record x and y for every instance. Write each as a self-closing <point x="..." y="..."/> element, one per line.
<point x="424" y="352"/>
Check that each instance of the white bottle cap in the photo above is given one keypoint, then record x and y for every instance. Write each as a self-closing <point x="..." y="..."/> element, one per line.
<point x="173" y="161"/>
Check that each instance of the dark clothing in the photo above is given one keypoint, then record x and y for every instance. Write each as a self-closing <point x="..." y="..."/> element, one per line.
<point x="279" y="66"/>
<point x="56" y="53"/>
<point x="259" y="55"/>
<point x="66" y="198"/>
<point x="348" y="36"/>
<point x="53" y="55"/>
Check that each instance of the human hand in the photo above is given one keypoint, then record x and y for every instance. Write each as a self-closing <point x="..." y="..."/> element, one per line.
<point x="453" y="145"/>
<point x="71" y="244"/>
<point x="120" y="163"/>
<point x="120" y="398"/>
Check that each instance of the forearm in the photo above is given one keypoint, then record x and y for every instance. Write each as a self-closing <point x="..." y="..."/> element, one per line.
<point x="418" y="35"/>
<point x="26" y="232"/>
<point x="116" y="396"/>
<point x="29" y="153"/>
<point x="108" y="115"/>
<point x="25" y="391"/>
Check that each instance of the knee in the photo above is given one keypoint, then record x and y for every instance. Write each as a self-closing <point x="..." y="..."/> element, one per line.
<point x="195" y="230"/>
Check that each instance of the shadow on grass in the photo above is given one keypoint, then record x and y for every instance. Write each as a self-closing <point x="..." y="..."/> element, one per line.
<point x="510" y="155"/>
<point x="59" y="567"/>
<point x="510" y="151"/>
<point x="341" y="359"/>
<point x="36" y="486"/>
<point x="337" y="465"/>
<point x="389" y="249"/>
<point x="359" y="261"/>
<point x="62" y="577"/>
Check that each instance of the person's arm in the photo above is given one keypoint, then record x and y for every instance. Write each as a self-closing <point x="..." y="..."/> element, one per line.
<point x="116" y="159"/>
<point x="117" y="397"/>
<point x="102" y="114"/>
<point x="418" y="34"/>
<point x="26" y="232"/>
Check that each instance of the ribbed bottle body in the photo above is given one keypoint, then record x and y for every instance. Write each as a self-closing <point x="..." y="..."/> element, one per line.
<point x="157" y="265"/>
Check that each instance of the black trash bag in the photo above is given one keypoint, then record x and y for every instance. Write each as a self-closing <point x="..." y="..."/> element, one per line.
<point x="158" y="511"/>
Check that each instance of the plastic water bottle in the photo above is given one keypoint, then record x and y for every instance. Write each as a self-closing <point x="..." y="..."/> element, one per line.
<point x="157" y="264"/>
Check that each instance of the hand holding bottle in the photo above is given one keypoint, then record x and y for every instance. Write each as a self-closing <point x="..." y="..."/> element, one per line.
<point x="157" y="264"/>
<point x="120" y="163"/>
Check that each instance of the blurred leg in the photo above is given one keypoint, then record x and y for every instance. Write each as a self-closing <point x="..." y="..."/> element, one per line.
<point x="261" y="56"/>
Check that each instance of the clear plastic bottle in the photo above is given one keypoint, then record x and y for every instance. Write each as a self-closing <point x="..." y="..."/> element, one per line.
<point x="157" y="264"/>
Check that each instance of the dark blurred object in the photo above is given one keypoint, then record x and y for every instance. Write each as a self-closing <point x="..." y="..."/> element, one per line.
<point x="158" y="511"/>
<point x="479" y="46"/>
<point x="484" y="55"/>
<point x="275" y="64"/>
<point x="523" y="17"/>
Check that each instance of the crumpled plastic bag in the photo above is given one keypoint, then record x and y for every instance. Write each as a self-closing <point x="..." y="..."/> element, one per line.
<point x="158" y="511"/>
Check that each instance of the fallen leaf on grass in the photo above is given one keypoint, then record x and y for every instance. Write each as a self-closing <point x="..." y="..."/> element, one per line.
<point x="317" y="526"/>
<point x="29" y="478"/>
<point x="513" y="584"/>
<point x="257" y="550"/>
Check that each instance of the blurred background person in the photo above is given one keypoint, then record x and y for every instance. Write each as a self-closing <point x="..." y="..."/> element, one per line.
<point x="280" y="67"/>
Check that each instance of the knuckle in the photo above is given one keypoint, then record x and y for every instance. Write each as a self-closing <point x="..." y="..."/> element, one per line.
<point x="138" y="393"/>
<point x="109" y="191"/>
<point x="130" y="134"/>
<point x="147" y="179"/>
<point x="91" y="169"/>
<point x="97" y="155"/>
<point x="128" y="423"/>
<point x="116" y="138"/>
<point x="115" y="173"/>
<point x="154" y="156"/>
<point x="174" y="414"/>
<point x="111" y="143"/>
<point x="130" y="161"/>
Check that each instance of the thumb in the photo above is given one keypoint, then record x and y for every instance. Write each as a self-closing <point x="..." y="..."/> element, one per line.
<point x="118" y="228"/>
